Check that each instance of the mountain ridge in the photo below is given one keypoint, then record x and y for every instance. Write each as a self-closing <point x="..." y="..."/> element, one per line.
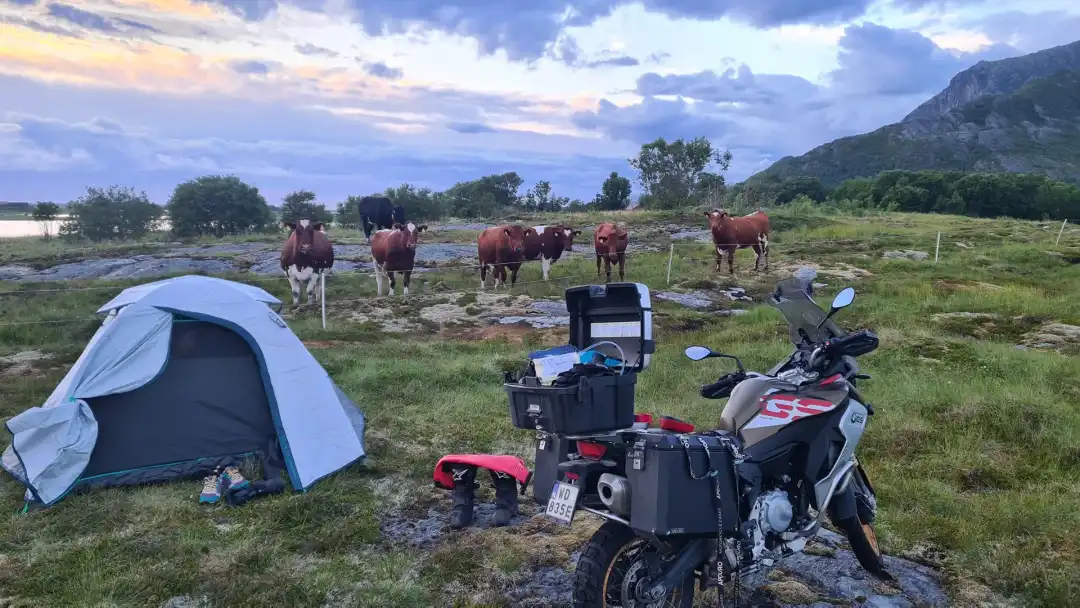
<point x="1016" y="115"/>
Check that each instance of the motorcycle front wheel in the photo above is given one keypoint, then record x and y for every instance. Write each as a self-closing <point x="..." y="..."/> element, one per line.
<point x="859" y="530"/>
<point x="612" y="563"/>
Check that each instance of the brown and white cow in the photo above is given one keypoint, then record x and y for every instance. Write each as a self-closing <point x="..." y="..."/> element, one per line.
<point x="501" y="247"/>
<point x="610" y="242"/>
<point x="730" y="234"/>
<point x="547" y="243"/>
<point x="306" y="255"/>
<point x="393" y="251"/>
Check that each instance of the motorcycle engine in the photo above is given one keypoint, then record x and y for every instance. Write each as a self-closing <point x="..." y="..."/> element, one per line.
<point x="772" y="515"/>
<point x="776" y="512"/>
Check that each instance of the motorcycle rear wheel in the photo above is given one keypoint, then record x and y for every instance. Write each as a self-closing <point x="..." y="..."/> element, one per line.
<point x="613" y="553"/>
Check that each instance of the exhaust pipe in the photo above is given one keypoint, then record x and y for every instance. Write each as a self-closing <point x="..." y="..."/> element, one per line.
<point x="614" y="493"/>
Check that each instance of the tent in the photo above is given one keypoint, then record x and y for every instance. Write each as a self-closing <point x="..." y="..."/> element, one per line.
<point x="185" y="375"/>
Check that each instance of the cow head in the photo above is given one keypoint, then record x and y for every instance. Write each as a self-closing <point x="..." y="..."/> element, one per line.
<point x="515" y="238"/>
<point x="304" y="233"/>
<point x="411" y="232"/>
<point x="717" y="217"/>
<point x="607" y="238"/>
<point x="566" y="235"/>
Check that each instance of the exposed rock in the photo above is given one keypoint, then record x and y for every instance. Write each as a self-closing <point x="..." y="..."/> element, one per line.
<point x="965" y="315"/>
<point x="906" y="254"/>
<point x="444" y="314"/>
<point x="1054" y="336"/>
<point x="542" y="322"/>
<point x="693" y="299"/>
<point x="791" y="592"/>
<point x="548" y="307"/>
<point x="731" y="312"/>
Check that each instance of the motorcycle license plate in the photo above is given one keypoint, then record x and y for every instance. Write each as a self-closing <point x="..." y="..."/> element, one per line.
<point x="562" y="502"/>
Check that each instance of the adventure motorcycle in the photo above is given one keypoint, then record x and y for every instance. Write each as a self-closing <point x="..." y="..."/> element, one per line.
<point x="710" y="507"/>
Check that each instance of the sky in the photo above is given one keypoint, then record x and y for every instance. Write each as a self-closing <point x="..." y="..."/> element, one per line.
<point x="352" y="96"/>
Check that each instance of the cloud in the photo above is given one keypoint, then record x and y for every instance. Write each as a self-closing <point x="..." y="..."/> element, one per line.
<point x="20" y="2"/>
<point x="882" y="75"/>
<point x="37" y="26"/>
<point x="527" y="30"/>
<point x="93" y="21"/>
<point x="311" y="49"/>
<point x="69" y="138"/>
<point x="469" y="128"/>
<point x="567" y="51"/>
<point x="1030" y="32"/>
<point x="258" y="68"/>
<point x="381" y="70"/>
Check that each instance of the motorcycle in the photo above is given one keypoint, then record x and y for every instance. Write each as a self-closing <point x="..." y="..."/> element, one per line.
<point x="679" y="517"/>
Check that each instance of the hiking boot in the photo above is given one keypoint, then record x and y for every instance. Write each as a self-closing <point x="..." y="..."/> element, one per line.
<point x="234" y="478"/>
<point x="465" y="486"/>
<point x="506" y="500"/>
<point x="211" y="490"/>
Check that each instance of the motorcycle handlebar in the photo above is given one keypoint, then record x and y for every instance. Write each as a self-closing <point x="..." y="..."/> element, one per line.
<point x="721" y="389"/>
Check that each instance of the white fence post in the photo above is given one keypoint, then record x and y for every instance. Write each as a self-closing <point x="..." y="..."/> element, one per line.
<point x="671" y="255"/>
<point x="1058" y="241"/>
<point x="937" y="248"/>
<point x="322" y="296"/>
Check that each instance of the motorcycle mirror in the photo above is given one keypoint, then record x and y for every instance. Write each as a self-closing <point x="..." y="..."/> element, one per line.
<point x="697" y="353"/>
<point x="844" y="298"/>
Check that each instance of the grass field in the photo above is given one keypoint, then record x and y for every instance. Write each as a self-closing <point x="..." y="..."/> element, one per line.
<point x="974" y="451"/>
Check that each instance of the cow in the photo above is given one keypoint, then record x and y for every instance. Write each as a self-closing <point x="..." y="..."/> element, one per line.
<point x="610" y="241"/>
<point x="379" y="212"/>
<point x="730" y="234"/>
<point x="306" y="255"/>
<point x="393" y="251"/>
<point x="501" y="247"/>
<point x="547" y="243"/>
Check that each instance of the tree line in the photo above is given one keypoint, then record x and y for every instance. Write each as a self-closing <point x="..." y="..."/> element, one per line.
<point x="1027" y="196"/>
<point x="671" y="175"/>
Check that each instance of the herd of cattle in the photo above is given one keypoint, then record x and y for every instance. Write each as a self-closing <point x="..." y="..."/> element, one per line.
<point x="308" y="253"/>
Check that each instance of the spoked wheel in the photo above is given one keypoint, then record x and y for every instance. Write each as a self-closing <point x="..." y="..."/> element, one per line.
<point x="612" y="570"/>
<point x="859" y="530"/>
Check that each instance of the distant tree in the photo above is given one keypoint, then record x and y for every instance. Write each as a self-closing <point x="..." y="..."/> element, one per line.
<point x="614" y="194"/>
<point x="113" y="213"/>
<point x="301" y="205"/>
<point x="421" y="204"/>
<point x="217" y="205"/>
<point x="348" y="213"/>
<point x="45" y="213"/>
<point x="810" y="187"/>
<point x="678" y="174"/>
<point x="484" y="197"/>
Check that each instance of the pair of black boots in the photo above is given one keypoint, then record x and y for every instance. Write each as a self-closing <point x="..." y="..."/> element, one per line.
<point x="465" y="486"/>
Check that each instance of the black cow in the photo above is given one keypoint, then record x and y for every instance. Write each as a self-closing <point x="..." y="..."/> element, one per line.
<point x="380" y="212"/>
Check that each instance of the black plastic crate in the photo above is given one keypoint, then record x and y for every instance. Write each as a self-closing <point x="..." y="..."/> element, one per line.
<point x="665" y="499"/>
<point x="595" y="404"/>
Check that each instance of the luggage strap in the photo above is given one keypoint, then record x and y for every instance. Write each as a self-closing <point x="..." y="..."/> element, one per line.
<point x="737" y="458"/>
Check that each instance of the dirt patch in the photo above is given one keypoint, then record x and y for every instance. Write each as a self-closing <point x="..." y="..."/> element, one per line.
<point x="322" y="344"/>
<point x="954" y="286"/>
<point x="987" y="326"/>
<point x="514" y="334"/>
<point x="21" y="364"/>
<point x="840" y="270"/>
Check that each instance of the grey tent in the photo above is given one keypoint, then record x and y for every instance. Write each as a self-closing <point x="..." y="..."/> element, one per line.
<point x="184" y="375"/>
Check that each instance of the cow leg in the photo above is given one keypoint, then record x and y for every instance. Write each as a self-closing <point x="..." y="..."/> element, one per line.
<point x="719" y="257"/>
<point x="483" y="277"/>
<point x="607" y="268"/>
<point x="763" y="241"/>
<point x="622" y="265"/>
<point x="731" y="260"/>
<point x="407" y="276"/>
<point x="312" y="281"/>
<point x="598" y="267"/>
<point x="378" y="278"/>
<point x="500" y="275"/>
<point x="545" y="263"/>
<point x="393" y="284"/>
<point x="294" y="286"/>
<point x="513" y="274"/>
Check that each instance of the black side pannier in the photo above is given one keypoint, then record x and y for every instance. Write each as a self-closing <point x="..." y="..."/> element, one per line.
<point x="600" y="315"/>
<point x="664" y="497"/>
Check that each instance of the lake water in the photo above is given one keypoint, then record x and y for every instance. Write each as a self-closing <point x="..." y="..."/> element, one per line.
<point x="18" y="228"/>
<point x="10" y="229"/>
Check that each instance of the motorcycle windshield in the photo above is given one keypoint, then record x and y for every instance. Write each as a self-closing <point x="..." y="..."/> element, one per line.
<point x="803" y="315"/>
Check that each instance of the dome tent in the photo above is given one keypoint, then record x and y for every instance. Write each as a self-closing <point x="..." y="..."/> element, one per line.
<point x="184" y="375"/>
